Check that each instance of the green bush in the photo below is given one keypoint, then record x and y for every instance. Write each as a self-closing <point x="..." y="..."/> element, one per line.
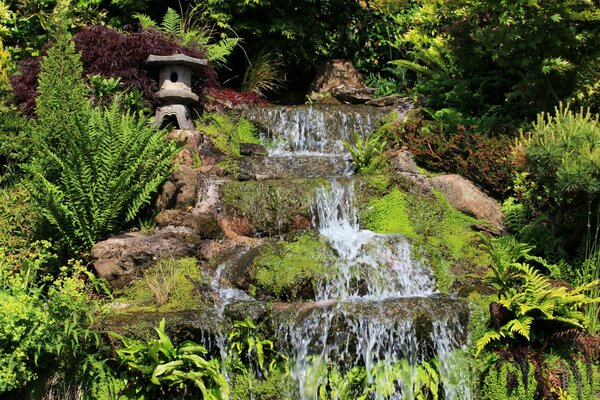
<point x="509" y="381"/>
<point x="62" y="107"/>
<point x="17" y="220"/>
<point x="512" y="59"/>
<point x="158" y="368"/>
<point x="108" y="171"/>
<point x="457" y="144"/>
<point x="562" y="155"/>
<point x="15" y="144"/>
<point x="43" y="328"/>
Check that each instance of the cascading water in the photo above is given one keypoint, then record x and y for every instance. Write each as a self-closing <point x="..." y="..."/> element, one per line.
<point x="361" y="316"/>
<point x="308" y="130"/>
<point x="378" y="307"/>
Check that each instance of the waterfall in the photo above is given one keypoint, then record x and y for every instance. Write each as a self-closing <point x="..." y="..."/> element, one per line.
<point x="370" y="311"/>
<point x="377" y="308"/>
<point x="381" y="265"/>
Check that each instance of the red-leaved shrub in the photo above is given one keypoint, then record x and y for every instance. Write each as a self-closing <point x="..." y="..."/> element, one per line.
<point x="110" y="53"/>
<point x="483" y="157"/>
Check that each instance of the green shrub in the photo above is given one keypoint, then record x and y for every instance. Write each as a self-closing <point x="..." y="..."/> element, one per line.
<point x="455" y="144"/>
<point x="15" y="144"/>
<point x="158" y="368"/>
<point x="17" y="220"/>
<point x="109" y="169"/>
<point x="43" y="328"/>
<point x="509" y="381"/>
<point x="563" y="156"/>
<point x="62" y="106"/>
<point x="227" y="134"/>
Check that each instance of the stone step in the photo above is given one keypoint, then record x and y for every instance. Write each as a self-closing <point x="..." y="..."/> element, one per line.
<point x="298" y="166"/>
<point x="313" y="128"/>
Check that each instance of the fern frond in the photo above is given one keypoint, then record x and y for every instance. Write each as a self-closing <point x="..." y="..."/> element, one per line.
<point x="522" y="326"/>
<point x="486" y="339"/>
<point x="145" y="21"/>
<point x="413" y="66"/>
<point x="171" y="22"/>
<point x="218" y="52"/>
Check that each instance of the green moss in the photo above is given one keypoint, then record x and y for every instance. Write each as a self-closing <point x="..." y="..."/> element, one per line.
<point x="183" y="295"/>
<point x="226" y="133"/>
<point x="287" y="270"/>
<point x="439" y="232"/>
<point x="389" y="214"/>
<point x="272" y="206"/>
<point x="508" y="381"/>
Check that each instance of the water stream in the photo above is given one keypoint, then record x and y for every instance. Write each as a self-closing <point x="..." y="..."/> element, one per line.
<point x="378" y="307"/>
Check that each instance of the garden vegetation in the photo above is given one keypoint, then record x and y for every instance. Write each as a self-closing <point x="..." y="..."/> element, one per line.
<point x="507" y="94"/>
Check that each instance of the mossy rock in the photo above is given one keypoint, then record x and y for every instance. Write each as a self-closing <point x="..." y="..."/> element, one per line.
<point x="440" y="234"/>
<point x="200" y="326"/>
<point x="291" y="270"/>
<point x="180" y="280"/>
<point x="272" y="207"/>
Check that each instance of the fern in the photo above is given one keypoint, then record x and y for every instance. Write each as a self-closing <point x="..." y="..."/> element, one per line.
<point x="109" y="170"/>
<point x="217" y="52"/>
<point x="531" y="299"/>
<point x="145" y="21"/>
<point x="171" y="22"/>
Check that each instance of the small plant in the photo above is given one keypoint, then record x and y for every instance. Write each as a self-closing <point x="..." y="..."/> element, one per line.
<point x="367" y="154"/>
<point x="226" y="133"/>
<point x="264" y="74"/>
<point x="162" y="280"/>
<point x="248" y="345"/>
<point x="103" y="88"/>
<point x="157" y="367"/>
<point x="529" y="307"/>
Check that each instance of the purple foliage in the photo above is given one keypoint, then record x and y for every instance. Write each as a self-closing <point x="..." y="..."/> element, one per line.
<point x="107" y="52"/>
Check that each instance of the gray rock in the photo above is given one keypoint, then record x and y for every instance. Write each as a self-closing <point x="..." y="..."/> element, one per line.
<point x="204" y="225"/>
<point x="336" y="73"/>
<point x="385" y="101"/>
<point x="252" y="149"/>
<point x="469" y="199"/>
<point x="402" y="161"/>
<point x="353" y="95"/>
<point x="179" y="191"/>
<point x="123" y="258"/>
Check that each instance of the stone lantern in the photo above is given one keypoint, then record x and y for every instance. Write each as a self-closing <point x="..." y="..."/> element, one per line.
<point x="175" y="93"/>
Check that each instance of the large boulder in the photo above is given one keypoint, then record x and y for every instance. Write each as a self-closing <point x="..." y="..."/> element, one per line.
<point x="469" y="199"/>
<point x="179" y="190"/>
<point x="340" y="79"/>
<point x="123" y="258"/>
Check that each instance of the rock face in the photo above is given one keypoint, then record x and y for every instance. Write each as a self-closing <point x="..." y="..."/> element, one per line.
<point x="402" y="164"/>
<point x="179" y="191"/>
<point x="468" y="198"/>
<point x="122" y="258"/>
<point x="340" y="79"/>
<point x="204" y="225"/>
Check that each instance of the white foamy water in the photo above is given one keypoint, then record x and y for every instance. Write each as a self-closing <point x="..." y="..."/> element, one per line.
<point x="370" y="265"/>
<point x="309" y="130"/>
